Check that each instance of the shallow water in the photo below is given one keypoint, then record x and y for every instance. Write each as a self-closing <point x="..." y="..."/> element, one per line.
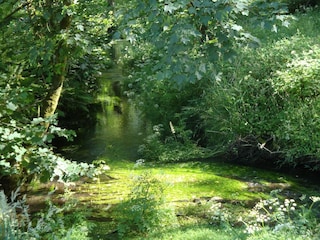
<point x="120" y="128"/>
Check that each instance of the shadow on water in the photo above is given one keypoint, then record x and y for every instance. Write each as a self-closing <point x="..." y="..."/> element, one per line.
<point x="119" y="130"/>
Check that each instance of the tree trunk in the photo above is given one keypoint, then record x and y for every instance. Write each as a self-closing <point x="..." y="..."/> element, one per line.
<point x="60" y="69"/>
<point x="51" y="101"/>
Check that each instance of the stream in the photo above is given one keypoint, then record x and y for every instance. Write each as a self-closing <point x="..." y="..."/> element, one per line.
<point x="120" y="128"/>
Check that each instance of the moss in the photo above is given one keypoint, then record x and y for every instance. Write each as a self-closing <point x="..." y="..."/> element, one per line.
<point x="189" y="186"/>
<point x="187" y="181"/>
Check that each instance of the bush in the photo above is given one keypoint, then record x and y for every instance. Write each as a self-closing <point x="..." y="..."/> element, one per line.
<point x="178" y="147"/>
<point x="298" y="87"/>
<point x="145" y="210"/>
<point x="296" y="5"/>
<point x="211" y="211"/>
<point x="25" y="142"/>
<point x="267" y="102"/>
<point x="276" y="219"/>
<point x="16" y="223"/>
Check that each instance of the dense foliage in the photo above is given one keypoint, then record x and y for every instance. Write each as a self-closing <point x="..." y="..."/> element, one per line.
<point x="297" y="5"/>
<point x="203" y="79"/>
<point x="45" y="45"/>
<point x="204" y="74"/>
<point x="48" y="49"/>
<point x="16" y="221"/>
<point x="266" y="103"/>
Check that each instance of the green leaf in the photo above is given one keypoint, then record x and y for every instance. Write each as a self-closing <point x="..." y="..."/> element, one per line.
<point x="2" y="146"/>
<point x="242" y="8"/>
<point x="213" y="53"/>
<point x="11" y="106"/>
<point x="192" y="10"/>
<point x="80" y="27"/>
<point x="14" y="135"/>
<point x="205" y="20"/>
<point x="236" y="27"/>
<point x="170" y="8"/>
<point x="36" y="121"/>
<point x="198" y="75"/>
<point x="4" y="164"/>
<point x="202" y="68"/>
<point x="19" y="152"/>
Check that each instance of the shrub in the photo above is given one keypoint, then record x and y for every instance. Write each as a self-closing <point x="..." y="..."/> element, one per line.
<point x="178" y="147"/>
<point x="211" y="211"/>
<point x="16" y="223"/>
<point x="298" y="87"/>
<point x="25" y="143"/>
<point x="144" y="211"/>
<point x="278" y="219"/>
<point x="295" y="5"/>
<point x="267" y="101"/>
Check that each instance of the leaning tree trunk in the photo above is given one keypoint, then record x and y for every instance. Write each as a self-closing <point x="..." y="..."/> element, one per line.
<point x="60" y="69"/>
<point x="51" y="101"/>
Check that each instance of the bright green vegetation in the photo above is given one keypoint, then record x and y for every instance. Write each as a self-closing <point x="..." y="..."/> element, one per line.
<point x="194" y="197"/>
<point x="199" y="233"/>
<point x="152" y="201"/>
<point x="265" y="94"/>
<point x="238" y="79"/>
<point x="195" y="180"/>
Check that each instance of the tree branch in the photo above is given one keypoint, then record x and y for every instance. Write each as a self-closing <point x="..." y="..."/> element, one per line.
<point x="7" y="18"/>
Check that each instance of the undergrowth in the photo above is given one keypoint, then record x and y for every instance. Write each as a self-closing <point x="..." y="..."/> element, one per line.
<point x="55" y="223"/>
<point x="145" y="208"/>
<point x="264" y="106"/>
<point x="149" y="213"/>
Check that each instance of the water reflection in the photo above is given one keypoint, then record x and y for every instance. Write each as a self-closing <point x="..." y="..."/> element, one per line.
<point x="118" y="133"/>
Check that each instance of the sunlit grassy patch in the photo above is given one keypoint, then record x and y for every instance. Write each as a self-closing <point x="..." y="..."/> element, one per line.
<point x="193" y="233"/>
<point x="185" y="184"/>
<point x="187" y="181"/>
<point x="192" y="188"/>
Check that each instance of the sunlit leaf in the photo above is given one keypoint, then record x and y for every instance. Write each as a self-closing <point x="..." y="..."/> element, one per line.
<point x="11" y="106"/>
<point x="80" y="27"/>
<point x="274" y="28"/>
<point x="202" y="67"/>
<point x="236" y="27"/>
<point x="38" y="120"/>
<point x="285" y="23"/>
<point x="170" y="8"/>
<point x="198" y="75"/>
<point x="14" y="135"/>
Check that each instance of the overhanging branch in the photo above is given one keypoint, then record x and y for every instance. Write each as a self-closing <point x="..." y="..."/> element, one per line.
<point x="7" y="19"/>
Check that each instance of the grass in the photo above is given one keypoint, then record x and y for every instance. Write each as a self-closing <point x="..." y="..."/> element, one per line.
<point x="237" y="187"/>
<point x="193" y="233"/>
<point x="195" y="179"/>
